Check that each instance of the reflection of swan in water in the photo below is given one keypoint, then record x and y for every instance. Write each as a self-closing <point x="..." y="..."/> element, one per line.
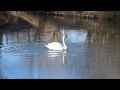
<point x="63" y="58"/>
<point x="57" y="45"/>
<point x="53" y="54"/>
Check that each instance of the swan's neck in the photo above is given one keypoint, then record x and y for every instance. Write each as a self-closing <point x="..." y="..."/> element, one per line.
<point x="64" y="45"/>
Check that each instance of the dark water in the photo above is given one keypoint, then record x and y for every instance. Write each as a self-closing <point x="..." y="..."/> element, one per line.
<point x="93" y="50"/>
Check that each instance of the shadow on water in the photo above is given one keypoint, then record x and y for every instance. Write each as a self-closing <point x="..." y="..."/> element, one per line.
<point x="39" y="33"/>
<point x="93" y="49"/>
<point x="1" y="34"/>
<point x="105" y="32"/>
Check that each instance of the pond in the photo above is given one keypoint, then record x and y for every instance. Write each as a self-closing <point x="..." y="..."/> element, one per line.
<point x="93" y="49"/>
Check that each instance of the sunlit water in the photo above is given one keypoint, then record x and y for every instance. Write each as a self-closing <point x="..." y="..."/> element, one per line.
<point x="89" y="55"/>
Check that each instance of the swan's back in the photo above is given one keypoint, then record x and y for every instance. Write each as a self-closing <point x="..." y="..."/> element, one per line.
<point x="54" y="46"/>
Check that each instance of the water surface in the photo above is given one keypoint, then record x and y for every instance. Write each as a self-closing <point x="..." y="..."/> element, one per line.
<point x="93" y="50"/>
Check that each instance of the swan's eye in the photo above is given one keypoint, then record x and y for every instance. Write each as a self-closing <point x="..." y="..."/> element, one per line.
<point x="66" y="36"/>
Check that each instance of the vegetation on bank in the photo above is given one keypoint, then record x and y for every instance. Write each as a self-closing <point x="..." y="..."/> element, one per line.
<point x="109" y="15"/>
<point x="103" y="15"/>
<point x="7" y="18"/>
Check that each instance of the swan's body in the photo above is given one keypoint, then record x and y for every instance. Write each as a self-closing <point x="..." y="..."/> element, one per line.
<point x="57" y="45"/>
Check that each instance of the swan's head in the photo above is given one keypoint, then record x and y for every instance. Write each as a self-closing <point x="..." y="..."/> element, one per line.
<point x="65" y="36"/>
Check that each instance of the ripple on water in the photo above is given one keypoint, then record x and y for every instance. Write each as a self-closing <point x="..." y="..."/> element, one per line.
<point x="22" y="48"/>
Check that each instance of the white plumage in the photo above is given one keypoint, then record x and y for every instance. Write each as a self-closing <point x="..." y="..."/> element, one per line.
<point x="57" y="45"/>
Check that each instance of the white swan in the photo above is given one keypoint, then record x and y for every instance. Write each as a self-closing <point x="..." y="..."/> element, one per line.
<point x="57" y="45"/>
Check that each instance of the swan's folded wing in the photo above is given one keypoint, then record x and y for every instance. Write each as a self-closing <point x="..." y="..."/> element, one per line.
<point x="55" y="46"/>
<point x="55" y="43"/>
